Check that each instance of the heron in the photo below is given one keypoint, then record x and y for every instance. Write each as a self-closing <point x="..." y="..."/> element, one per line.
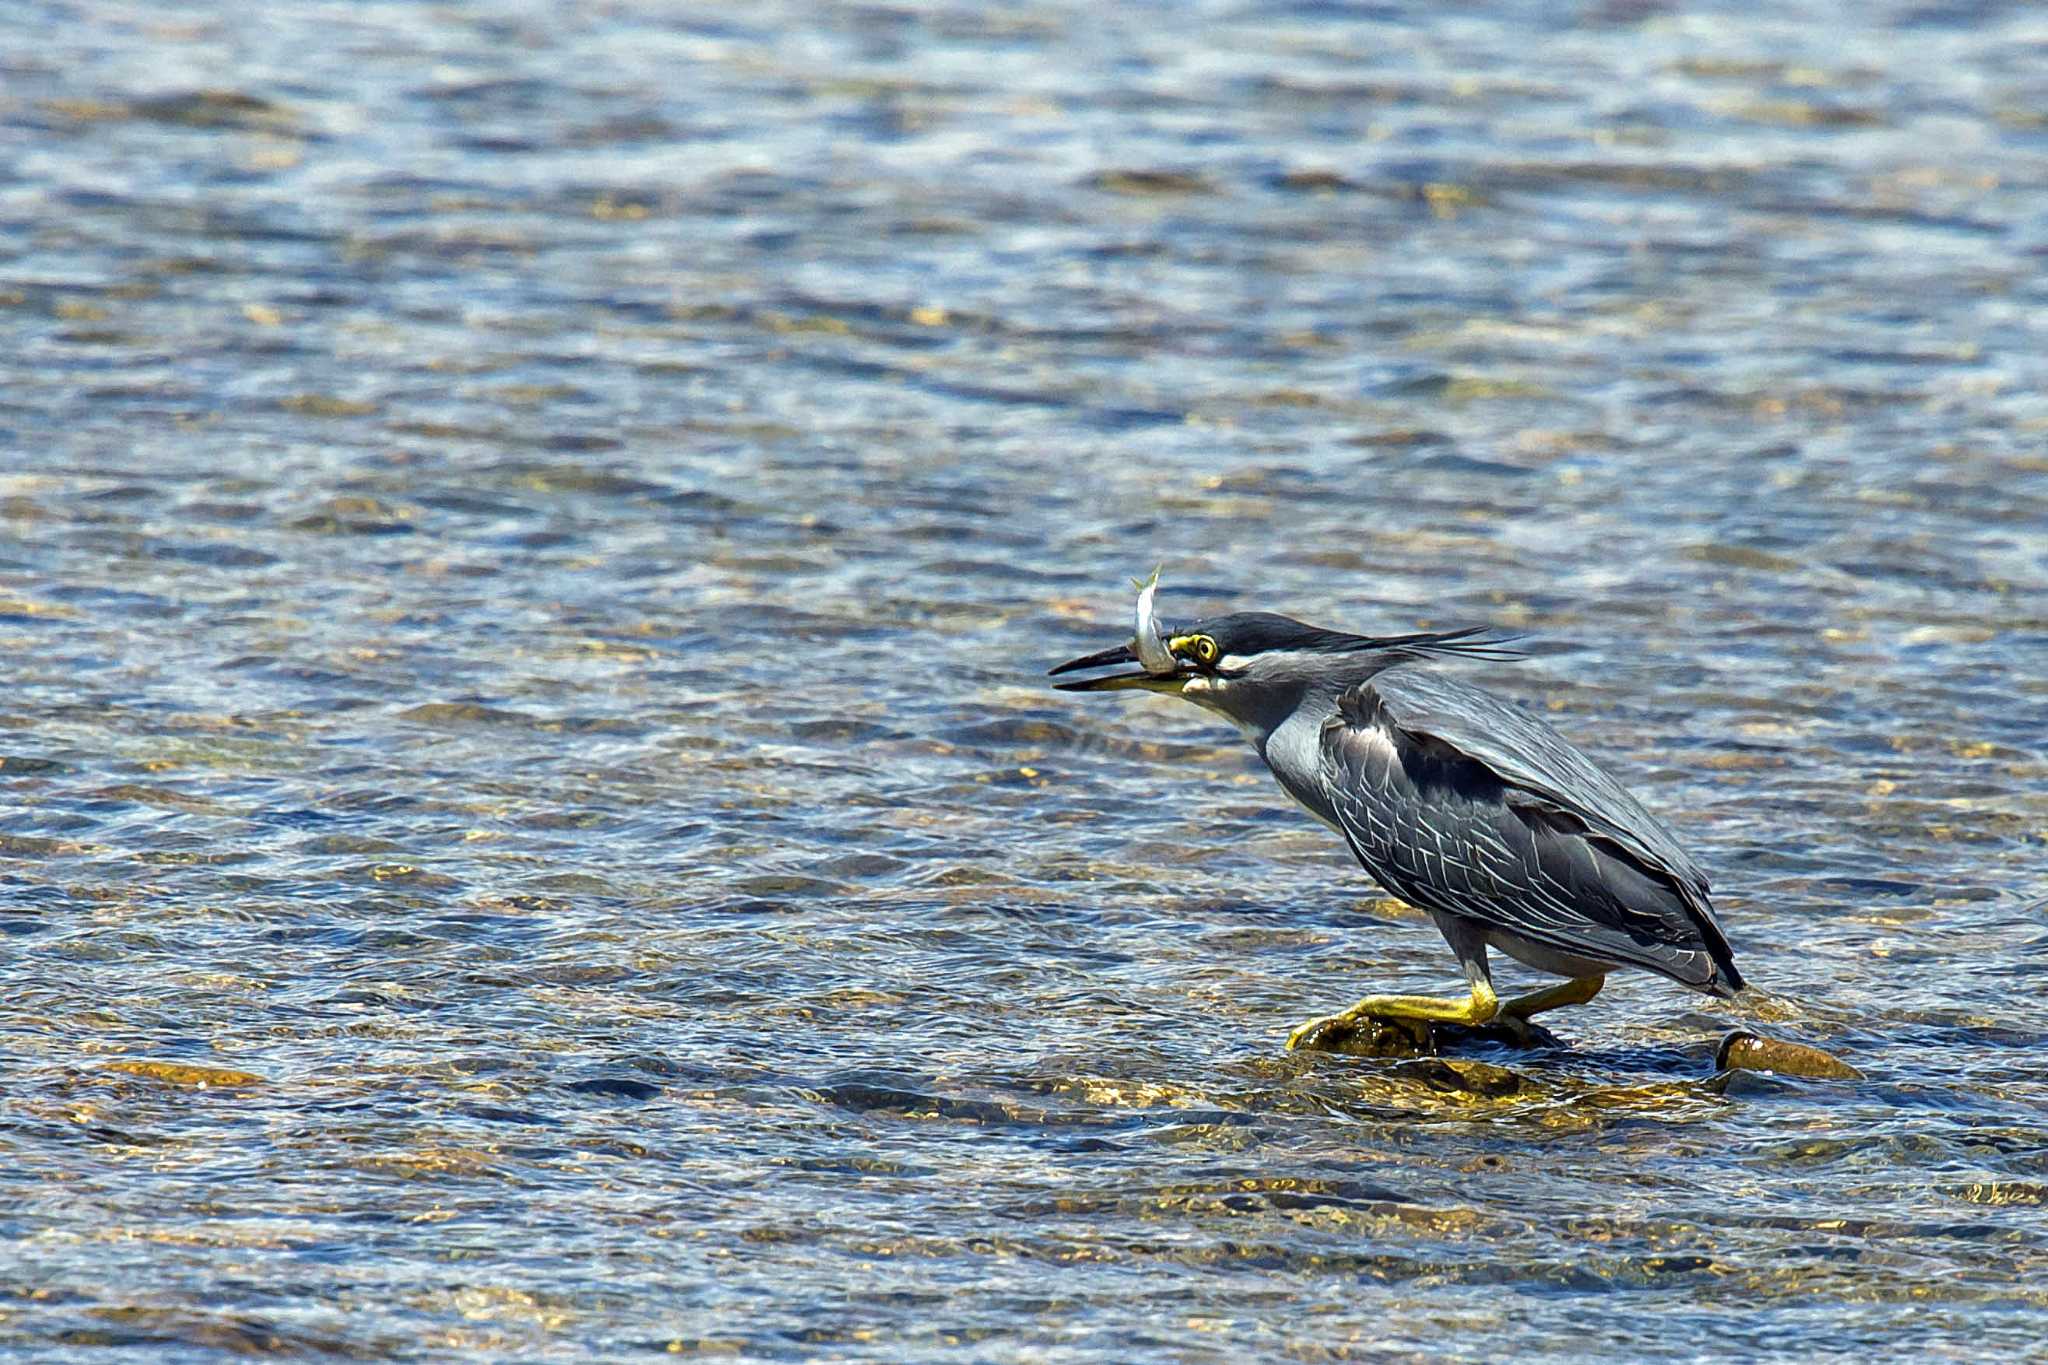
<point x="1456" y="801"/>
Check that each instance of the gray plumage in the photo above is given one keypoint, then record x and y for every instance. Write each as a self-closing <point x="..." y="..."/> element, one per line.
<point x="1456" y="801"/>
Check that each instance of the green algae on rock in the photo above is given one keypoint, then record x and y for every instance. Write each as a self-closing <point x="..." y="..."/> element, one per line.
<point x="1745" y="1051"/>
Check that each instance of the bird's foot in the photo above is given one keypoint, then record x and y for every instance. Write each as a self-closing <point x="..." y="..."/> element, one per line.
<point x="1517" y="1027"/>
<point x="1513" y="1017"/>
<point x="1417" y="1025"/>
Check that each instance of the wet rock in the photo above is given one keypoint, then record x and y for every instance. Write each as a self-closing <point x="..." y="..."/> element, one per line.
<point x="1371" y="1037"/>
<point x="1461" y="1077"/>
<point x="230" y="109"/>
<point x="1530" y="1037"/>
<point x="1151" y="182"/>
<point x="195" y="1077"/>
<point x="1745" y="1051"/>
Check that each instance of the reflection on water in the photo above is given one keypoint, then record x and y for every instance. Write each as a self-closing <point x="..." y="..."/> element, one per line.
<point x="530" y="541"/>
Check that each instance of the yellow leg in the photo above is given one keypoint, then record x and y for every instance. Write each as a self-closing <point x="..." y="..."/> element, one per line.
<point x="1478" y="1010"/>
<point x="1577" y="991"/>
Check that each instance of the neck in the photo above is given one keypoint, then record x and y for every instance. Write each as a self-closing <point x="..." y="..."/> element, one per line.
<point x="1295" y="690"/>
<point x="1292" y="746"/>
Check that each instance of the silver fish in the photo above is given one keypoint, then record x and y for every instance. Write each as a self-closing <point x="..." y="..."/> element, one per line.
<point x="1150" y="643"/>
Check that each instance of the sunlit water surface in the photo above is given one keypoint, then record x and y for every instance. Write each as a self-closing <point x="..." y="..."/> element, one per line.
<point x="530" y="536"/>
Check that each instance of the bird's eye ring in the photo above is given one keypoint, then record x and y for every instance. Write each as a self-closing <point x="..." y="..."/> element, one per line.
<point x="1204" y="649"/>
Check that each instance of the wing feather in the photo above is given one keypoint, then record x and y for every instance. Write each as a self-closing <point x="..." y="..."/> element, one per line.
<point x="1529" y="755"/>
<point x="1459" y="802"/>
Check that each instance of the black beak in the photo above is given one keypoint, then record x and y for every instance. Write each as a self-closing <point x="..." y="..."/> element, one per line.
<point x="1122" y="654"/>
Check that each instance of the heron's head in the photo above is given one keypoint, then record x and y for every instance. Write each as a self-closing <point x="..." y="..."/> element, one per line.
<point x="1240" y="665"/>
<point x="1254" y="667"/>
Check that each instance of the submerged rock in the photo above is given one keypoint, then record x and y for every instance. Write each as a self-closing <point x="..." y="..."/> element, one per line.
<point x="1423" y="1041"/>
<point x="1746" y="1051"/>
<point x="1460" y="1076"/>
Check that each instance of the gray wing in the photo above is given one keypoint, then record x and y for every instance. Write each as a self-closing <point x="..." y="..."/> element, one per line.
<point x="1528" y="754"/>
<point x="1458" y="801"/>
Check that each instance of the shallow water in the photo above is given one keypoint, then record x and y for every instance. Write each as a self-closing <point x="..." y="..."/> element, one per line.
<point x="534" y="823"/>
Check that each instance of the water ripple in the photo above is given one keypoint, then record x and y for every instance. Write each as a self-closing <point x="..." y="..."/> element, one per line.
<point x="532" y="540"/>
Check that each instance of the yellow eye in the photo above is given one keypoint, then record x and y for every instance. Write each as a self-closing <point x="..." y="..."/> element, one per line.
<point x="1205" y="649"/>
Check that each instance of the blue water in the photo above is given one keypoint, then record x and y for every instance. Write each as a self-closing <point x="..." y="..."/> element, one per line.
<point x="529" y="541"/>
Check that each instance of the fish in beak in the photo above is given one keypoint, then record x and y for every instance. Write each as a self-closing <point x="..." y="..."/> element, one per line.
<point x="1170" y="683"/>
<point x="1160" y="671"/>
